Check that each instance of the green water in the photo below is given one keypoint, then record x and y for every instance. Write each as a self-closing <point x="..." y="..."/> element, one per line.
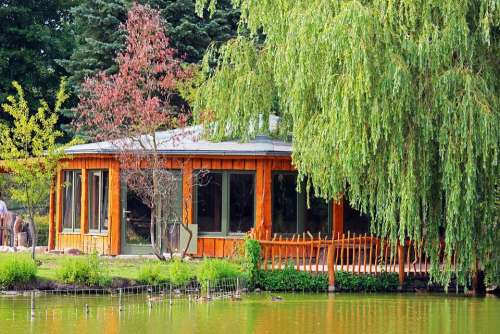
<point x="296" y="313"/>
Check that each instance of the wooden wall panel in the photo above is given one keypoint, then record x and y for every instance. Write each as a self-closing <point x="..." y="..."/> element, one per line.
<point x="338" y="217"/>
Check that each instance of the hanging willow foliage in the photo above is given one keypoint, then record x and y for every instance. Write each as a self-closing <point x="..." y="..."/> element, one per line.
<point x="394" y="104"/>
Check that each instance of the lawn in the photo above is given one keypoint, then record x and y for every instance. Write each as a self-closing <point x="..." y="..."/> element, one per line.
<point x="118" y="267"/>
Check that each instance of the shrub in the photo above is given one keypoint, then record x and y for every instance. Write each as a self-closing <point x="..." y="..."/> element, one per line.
<point x="16" y="269"/>
<point x="150" y="274"/>
<point x="87" y="271"/>
<point x="216" y="269"/>
<point x="369" y="283"/>
<point x="252" y="258"/>
<point x="42" y="227"/>
<point x="180" y="273"/>
<point x="289" y="279"/>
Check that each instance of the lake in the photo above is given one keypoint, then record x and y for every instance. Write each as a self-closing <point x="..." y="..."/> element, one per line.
<point x="255" y="313"/>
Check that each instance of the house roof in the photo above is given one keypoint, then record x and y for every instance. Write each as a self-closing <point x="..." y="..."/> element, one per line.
<point x="187" y="141"/>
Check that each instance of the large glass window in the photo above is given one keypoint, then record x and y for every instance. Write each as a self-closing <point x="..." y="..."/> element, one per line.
<point x="290" y="213"/>
<point x="71" y="199"/>
<point x="138" y="215"/>
<point x="241" y="202"/>
<point x="209" y="202"/>
<point x="225" y="202"/>
<point x="284" y="203"/>
<point x="98" y="184"/>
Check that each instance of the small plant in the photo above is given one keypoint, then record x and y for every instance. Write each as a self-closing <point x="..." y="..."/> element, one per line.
<point x="216" y="269"/>
<point x="180" y="273"/>
<point x="150" y="274"/>
<point x="16" y="269"/>
<point x="87" y="271"/>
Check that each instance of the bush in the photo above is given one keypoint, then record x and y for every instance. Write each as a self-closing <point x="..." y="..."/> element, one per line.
<point x="369" y="283"/>
<point x="180" y="273"/>
<point x="16" y="269"/>
<point x="87" y="271"/>
<point x="150" y="274"/>
<point x="42" y="227"/>
<point x="289" y="279"/>
<point x="252" y="258"/>
<point x="216" y="269"/>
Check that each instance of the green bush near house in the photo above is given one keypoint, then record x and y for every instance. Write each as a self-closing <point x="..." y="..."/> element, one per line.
<point x="289" y="279"/>
<point x="16" y="269"/>
<point x="252" y="258"/>
<point x="150" y="274"/>
<point x="85" y="271"/>
<point x="345" y="281"/>
<point x="180" y="273"/>
<point x="42" y="227"/>
<point x="214" y="270"/>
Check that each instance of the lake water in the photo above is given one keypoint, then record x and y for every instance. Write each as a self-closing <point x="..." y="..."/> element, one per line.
<point x="256" y="313"/>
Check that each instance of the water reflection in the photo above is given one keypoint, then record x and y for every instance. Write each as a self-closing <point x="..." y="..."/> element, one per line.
<point x="297" y="313"/>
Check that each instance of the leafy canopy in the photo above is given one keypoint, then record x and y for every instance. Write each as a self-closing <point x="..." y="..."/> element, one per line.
<point x="29" y="150"/>
<point x="394" y="104"/>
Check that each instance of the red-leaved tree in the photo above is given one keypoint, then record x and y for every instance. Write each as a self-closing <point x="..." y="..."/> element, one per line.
<point x="131" y="106"/>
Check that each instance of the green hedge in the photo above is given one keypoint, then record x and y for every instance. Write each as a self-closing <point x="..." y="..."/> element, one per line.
<point x="290" y="279"/>
<point x="16" y="269"/>
<point x="345" y="281"/>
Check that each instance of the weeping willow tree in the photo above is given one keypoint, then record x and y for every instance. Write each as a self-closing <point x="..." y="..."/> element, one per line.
<point x="392" y="104"/>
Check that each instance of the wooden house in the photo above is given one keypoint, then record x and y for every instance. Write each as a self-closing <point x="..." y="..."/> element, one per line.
<point x="246" y="185"/>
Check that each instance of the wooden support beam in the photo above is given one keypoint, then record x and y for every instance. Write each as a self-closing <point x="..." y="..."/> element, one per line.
<point x="338" y="217"/>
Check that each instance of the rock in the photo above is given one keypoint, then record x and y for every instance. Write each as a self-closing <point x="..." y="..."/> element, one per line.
<point x="71" y="251"/>
<point x="22" y="249"/>
<point x="41" y="249"/>
<point x="56" y="251"/>
<point x="257" y="290"/>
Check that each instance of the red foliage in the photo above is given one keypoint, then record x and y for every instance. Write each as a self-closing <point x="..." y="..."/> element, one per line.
<point x="135" y="100"/>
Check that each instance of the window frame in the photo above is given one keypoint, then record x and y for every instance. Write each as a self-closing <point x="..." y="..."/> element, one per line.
<point x="73" y="202"/>
<point x="225" y="210"/>
<point x="99" y="230"/>
<point x="301" y="207"/>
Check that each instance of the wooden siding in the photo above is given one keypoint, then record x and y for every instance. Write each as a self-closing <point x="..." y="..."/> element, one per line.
<point x="110" y="243"/>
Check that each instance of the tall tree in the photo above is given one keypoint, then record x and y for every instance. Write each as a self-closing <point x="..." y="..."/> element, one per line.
<point x="30" y="153"/>
<point x="393" y="103"/>
<point x="33" y="34"/>
<point x="129" y="107"/>
<point x="191" y="34"/>
<point x="98" y="39"/>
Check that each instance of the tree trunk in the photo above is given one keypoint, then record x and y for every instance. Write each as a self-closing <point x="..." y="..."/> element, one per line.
<point x="33" y="233"/>
<point x="188" y="242"/>
<point x="152" y="232"/>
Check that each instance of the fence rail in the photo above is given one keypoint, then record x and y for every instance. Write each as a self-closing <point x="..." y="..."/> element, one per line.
<point x="357" y="254"/>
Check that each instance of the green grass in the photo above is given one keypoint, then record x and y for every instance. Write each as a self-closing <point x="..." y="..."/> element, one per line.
<point x="16" y="269"/>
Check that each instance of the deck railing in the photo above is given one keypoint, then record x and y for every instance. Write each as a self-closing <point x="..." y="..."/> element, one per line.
<point x="354" y="253"/>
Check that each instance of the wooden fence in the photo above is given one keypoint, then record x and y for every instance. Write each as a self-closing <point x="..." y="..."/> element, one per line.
<point x="357" y="254"/>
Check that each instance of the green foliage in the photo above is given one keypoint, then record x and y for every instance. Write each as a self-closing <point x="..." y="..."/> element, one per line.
<point x="16" y="269"/>
<point x="252" y="258"/>
<point x="394" y="104"/>
<point x="191" y="34"/>
<point x="83" y="270"/>
<point x="290" y="279"/>
<point x="367" y="283"/>
<point x="150" y="274"/>
<point x="216" y="269"/>
<point x="180" y="273"/>
<point x="29" y="150"/>
<point x="42" y="227"/>
<point x="33" y="34"/>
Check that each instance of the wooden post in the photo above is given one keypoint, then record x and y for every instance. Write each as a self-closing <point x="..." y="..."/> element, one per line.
<point x="331" y="269"/>
<point x="401" y="265"/>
